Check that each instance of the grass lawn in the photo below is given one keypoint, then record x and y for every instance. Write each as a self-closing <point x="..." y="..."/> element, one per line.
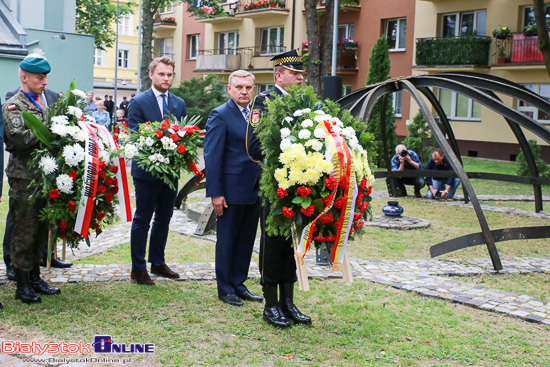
<point x="357" y="324"/>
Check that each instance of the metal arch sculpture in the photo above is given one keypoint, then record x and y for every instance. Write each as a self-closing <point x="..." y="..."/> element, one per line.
<point x="481" y="88"/>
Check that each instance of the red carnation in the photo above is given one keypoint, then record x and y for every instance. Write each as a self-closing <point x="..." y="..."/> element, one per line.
<point x="359" y="198"/>
<point x="363" y="206"/>
<point x="102" y="165"/>
<point x="339" y="203"/>
<point x="62" y="225"/>
<point x="176" y="128"/>
<point x="165" y="125"/>
<point x="363" y="184"/>
<point x="338" y="224"/>
<point x="158" y="134"/>
<point x="109" y="198"/>
<point x="100" y="216"/>
<point x="113" y="169"/>
<point x="319" y="238"/>
<point x="73" y="174"/>
<point x="114" y="189"/>
<point x="357" y="216"/>
<point x="101" y="174"/>
<point x="327" y="199"/>
<point x="108" y="181"/>
<point x="344" y="183"/>
<point x="369" y="191"/>
<point x="330" y="238"/>
<point x="309" y="211"/>
<point x="101" y="189"/>
<point x="281" y="192"/>
<point x="181" y="149"/>
<point x="304" y="191"/>
<point x="331" y="183"/>
<point x="115" y="182"/>
<point x="54" y="194"/>
<point x="327" y="218"/>
<point x="358" y="225"/>
<point x="71" y="205"/>
<point x="174" y="138"/>
<point x="287" y="212"/>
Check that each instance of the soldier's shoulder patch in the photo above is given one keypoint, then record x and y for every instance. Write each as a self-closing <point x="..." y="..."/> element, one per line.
<point x="12" y="107"/>
<point x="16" y="121"/>
<point x="255" y="117"/>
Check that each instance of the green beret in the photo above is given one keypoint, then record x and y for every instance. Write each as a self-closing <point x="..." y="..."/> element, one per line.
<point x="34" y="64"/>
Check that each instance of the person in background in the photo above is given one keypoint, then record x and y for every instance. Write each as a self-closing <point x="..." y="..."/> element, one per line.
<point x="101" y="116"/>
<point x="119" y="119"/>
<point x="124" y="106"/>
<point x="90" y="104"/>
<point x="407" y="160"/>
<point x="441" y="188"/>
<point x="109" y="106"/>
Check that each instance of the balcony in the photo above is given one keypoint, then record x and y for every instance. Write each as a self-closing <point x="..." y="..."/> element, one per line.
<point x="346" y="59"/>
<point x="345" y="6"/>
<point x="262" y="9"/>
<point x="255" y="58"/>
<point x="467" y="51"/>
<point x="517" y="50"/>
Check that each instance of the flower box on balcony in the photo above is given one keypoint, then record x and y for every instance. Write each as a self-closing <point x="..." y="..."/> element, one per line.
<point x="471" y="50"/>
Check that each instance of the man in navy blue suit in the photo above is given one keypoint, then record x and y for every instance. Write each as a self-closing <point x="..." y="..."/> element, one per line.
<point x="153" y="196"/>
<point x="231" y="183"/>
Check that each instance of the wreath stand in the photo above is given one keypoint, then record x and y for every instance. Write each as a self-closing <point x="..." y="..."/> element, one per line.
<point x="303" y="280"/>
<point x="54" y="252"/>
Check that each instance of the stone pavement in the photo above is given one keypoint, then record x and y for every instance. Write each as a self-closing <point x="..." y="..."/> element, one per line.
<point x="426" y="277"/>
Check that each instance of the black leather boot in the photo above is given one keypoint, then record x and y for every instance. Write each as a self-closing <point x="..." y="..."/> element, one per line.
<point x="272" y="310"/>
<point x="24" y="291"/>
<point x="55" y="263"/>
<point x="288" y="307"/>
<point x="39" y="285"/>
<point x="10" y="272"/>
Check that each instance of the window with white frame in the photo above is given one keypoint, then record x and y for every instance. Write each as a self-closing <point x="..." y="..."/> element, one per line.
<point x="123" y="58"/>
<point x="263" y="87"/>
<point x="99" y="57"/>
<point x="194" y="45"/>
<point x="126" y="25"/>
<point x="272" y="41"/>
<point x="166" y="47"/>
<point x="529" y="15"/>
<point x="396" y="33"/>
<point x="464" y="24"/>
<point x="346" y="31"/>
<point x="544" y="91"/>
<point x="458" y="106"/>
<point x="228" y="42"/>
<point x="346" y="89"/>
<point x="396" y="103"/>
<point x="167" y="9"/>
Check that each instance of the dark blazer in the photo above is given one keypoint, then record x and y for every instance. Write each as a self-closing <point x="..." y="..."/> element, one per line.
<point x="229" y="171"/>
<point x="51" y="96"/>
<point x="143" y="108"/>
<point x="1" y="150"/>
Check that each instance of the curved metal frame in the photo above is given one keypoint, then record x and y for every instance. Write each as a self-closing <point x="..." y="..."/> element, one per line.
<point x="481" y="88"/>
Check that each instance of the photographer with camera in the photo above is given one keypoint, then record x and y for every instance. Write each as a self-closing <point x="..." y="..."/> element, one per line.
<point x="407" y="160"/>
<point x="441" y="188"/>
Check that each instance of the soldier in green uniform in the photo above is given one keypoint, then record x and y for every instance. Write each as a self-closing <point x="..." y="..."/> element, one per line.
<point x="277" y="264"/>
<point x="29" y="234"/>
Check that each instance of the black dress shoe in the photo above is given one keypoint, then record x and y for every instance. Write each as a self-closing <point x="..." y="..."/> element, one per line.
<point x="247" y="296"/>
<point x="292" y="312"/>
<point x="10" y="272"/>
<point x="56" y="263"/>
<point x="232" y="299"/>
<point x="39" y="285"/>
<point x="275" y="316"/>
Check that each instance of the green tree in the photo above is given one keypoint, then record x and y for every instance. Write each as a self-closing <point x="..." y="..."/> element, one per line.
<point x="385" y="137"/>
<point x="420" y="138"/>
<point x="523" y="169"/>
<point x="97" y="17"/>
<point x="542" y="17"/>
<point x="201" y="95"/>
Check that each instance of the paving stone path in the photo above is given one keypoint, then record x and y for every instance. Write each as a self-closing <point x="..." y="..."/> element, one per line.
<point x="426" y="277"/>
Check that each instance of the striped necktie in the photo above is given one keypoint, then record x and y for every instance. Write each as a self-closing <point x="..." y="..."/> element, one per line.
<point x="246" y="112"/>
<point x="164" y="105"/>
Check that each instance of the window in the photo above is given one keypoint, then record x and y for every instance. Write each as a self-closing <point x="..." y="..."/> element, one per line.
<point x="346" y="31"/>
<point x="464" y="24"/>
<point x="396" y="33"/>
<point x="271" y="41"/>
<point x="396" y="103"/>
<point x="228" y="43"/>
<point x="123" y="58"/>
<point x="166" y="47"/>
<point x="167" y="9"/>
<point x="529" y="15"/>
<point x="194" y="45"/>
<point x="126" y="25"/>
<point x="346" y="89"/>
<point x="99" y="57"/>
<point x="263" y="87"/>
<point x="544" y="91"/>
<point x="459" y="107"/>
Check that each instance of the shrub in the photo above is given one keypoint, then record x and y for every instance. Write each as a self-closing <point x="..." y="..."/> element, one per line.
<point x="523" y="169"/>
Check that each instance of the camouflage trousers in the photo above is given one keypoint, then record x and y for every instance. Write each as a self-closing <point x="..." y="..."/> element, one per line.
<point x="30" y="235"/>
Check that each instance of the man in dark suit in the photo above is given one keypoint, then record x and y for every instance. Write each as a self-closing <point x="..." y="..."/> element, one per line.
<point x="277" y="264"/>
<point x="231" y="183"/>
<point x="152" y="194"/>
<point x="51" y="97"/>
<point x="124" y="105"/>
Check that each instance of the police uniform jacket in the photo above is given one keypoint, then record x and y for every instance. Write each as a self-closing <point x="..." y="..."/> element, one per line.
<point x="19" y="139"/>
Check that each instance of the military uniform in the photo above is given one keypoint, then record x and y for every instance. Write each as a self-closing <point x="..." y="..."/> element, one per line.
<point x="29" y="234"/>
<point x="277" y="264"/>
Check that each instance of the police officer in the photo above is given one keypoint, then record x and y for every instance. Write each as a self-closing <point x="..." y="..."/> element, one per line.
<point x="29" y="234"/>
<point x="277" y="264"/>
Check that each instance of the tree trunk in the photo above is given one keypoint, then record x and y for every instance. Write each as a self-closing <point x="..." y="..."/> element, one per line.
<point x="542" y="30"/>
<point x="312" y="29"/>
<point x="149" y="8"/>
<point x="326" y="41"/>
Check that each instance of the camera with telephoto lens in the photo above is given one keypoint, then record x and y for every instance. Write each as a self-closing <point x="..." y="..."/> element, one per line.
<point x="404" y="153"/>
